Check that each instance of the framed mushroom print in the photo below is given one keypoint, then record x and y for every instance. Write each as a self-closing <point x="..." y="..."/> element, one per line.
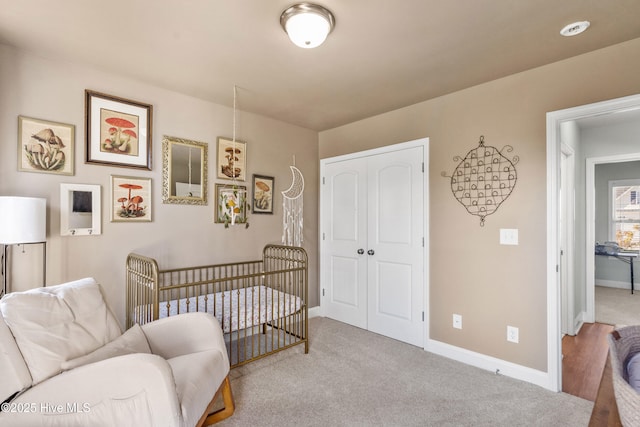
<point x="45" y="146"/>
<point x="231" y="205"/>
<point x="118" y="131"/>
<point x="263" y="194"/>
<point x="232" y="159"/>
<point x="130" y="199"/>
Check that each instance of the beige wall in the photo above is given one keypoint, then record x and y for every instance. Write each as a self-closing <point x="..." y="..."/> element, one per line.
<point x="471" y="274"/>
<point x="491" y="285"/>
<point x="179" y="235"/>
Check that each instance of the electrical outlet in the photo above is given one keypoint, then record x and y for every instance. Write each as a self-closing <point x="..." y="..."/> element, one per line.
<point x="512" y="334"/>
<point x="457" y="321"/>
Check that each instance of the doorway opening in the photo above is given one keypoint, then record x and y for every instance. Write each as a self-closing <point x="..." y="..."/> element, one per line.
<point x="555" y="120"/>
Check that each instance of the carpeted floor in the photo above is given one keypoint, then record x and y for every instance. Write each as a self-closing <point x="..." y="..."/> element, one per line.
<point x="352" y="377"/>
<point x="617" y="306"/>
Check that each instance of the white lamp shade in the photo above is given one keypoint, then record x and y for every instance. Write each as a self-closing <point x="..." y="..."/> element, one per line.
<point x="23" y="220"/>
<point x="307" y="30"/>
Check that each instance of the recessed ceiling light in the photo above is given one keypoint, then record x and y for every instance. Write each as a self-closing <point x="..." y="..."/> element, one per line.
<point x="575" y="28"/>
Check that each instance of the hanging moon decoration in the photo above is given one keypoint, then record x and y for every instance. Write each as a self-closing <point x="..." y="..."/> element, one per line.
<point x="297" y="184"/>
<point x="483" y="179"/>
<point x="292" y="209"/>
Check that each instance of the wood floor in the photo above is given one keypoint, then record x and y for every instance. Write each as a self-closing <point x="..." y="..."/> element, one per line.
<point x="583" y="360"/>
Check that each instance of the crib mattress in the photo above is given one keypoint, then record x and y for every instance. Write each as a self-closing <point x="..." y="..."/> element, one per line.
<point x="237" y="309"/>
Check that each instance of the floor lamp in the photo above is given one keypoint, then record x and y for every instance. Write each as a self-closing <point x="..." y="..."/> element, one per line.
<point x="23" y="220"/>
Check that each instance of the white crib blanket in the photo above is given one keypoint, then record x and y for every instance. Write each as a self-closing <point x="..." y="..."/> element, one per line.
<point x="242" y="308"/>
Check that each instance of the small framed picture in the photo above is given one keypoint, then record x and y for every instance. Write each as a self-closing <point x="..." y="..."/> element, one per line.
<point x="80" y="210"/>
<point x="45" y="146"/>
<point x="231" y="204"/>
<point x="130" y="199"/>
<point x="263" y="194"/>
<point x="232" y="159"/>
<point x="118" y="131"/>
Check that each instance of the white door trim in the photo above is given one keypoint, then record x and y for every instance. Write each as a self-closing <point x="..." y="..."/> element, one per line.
<point x="568" y="224"/>
<point x="554" y="119"/>
<point x="424" y="143"/>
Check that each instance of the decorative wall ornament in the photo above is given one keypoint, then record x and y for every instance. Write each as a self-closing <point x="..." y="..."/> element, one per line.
<point x="483" y="179"/>
<point x="292" y="209"/>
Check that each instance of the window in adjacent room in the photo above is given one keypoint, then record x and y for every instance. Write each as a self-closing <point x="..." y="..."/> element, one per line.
<point x="624" y="218"/>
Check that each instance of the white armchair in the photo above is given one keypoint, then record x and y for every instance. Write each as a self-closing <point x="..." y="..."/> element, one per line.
<point x="64" y="362"/>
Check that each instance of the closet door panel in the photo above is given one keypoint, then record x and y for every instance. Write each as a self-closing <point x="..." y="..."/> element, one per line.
<point x="344" y="271"/>
<point x="395" y="241"/>
<point x="345" y="190"/>
<point x="344" y="287"/>
<point x="393" y="288"/>
<point x="394" y="204"/>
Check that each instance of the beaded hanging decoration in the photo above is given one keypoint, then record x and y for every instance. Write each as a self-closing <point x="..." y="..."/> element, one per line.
<point x="483" y="179"/>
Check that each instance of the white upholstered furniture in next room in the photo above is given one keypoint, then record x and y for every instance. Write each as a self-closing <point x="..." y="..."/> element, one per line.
<point x="624" y="350"/>
<point x="65" y="362"/>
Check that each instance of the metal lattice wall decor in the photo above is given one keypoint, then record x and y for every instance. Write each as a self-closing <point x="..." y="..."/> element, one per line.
<point x="483" y="179"/>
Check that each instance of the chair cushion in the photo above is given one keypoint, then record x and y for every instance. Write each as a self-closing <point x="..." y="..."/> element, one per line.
<point x="132" y="341"/>
<point x="198" y="376"/>
<point x="58" y="323"/>
<point x="14" y="373"/>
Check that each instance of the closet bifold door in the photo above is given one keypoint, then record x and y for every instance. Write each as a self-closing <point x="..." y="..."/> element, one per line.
<point x="395" y="232"/>
<point x="372" y="242"/>
<point x="344" y="242"/>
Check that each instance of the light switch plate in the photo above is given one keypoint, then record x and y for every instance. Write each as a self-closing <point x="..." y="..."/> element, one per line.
<point x="457" y="321"/>
<point x="508" y="236"/>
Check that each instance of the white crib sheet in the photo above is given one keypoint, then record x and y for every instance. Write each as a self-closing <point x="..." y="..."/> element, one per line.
<point x="243" y="308"/>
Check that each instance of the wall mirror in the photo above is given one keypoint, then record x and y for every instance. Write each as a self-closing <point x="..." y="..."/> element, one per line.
<point x="184" y="171"/>
<point x="80" y="210"/>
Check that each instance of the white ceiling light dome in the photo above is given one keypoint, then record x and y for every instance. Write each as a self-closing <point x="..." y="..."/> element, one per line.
<point x="307" y="24"/>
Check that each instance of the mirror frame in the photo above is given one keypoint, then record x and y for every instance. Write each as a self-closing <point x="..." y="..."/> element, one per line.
<point x="167" y="143"/>
<point x="66" y="228"/>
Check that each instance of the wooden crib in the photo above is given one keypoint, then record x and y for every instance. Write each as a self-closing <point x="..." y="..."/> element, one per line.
<point x="261" y="305"/>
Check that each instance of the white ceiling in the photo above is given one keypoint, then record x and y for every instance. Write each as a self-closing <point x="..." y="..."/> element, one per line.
<point x="382" y="55"/>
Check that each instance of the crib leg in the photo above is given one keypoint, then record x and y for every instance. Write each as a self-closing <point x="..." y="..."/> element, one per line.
<point x="264" y="328"/>
<point x="229" y="405"/>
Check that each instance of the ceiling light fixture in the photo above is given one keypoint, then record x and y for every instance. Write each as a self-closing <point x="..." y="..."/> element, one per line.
<point x="307" y="24"/>
<point x="575" y="28"/>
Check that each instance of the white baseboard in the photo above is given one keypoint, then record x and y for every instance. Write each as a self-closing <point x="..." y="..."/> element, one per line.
<point x="314" y="312"/>
<point x="498" y="366"/>
<point x="579" y="321"/>
<point x="613" y="284"/>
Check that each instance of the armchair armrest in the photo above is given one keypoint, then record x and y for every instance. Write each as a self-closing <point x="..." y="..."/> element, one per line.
<point x="135" y="389"/>
<point x="184" y="334"/>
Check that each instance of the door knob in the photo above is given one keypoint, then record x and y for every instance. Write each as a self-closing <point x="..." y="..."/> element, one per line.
<point x="360" y="251"/>
<point x="370" y="252"/>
